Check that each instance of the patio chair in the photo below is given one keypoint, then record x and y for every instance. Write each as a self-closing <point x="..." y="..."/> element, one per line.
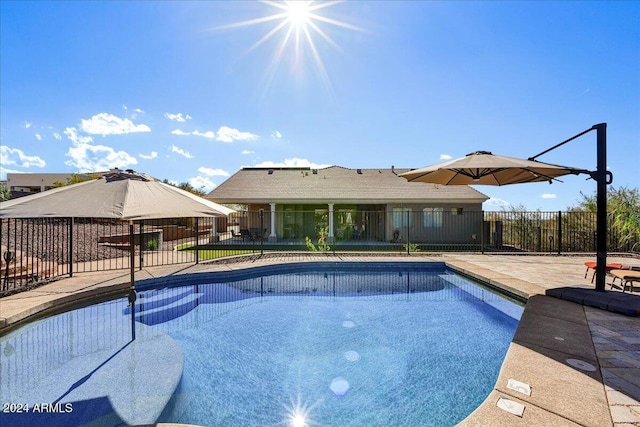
<point x="245" y="234"/>
<point x="627" y="277"/>
<point x="591" y="265"/>
<point x="235" y="235"/>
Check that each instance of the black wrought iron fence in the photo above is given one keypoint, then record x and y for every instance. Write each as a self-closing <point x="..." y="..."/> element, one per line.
<point x="40" y="249"/>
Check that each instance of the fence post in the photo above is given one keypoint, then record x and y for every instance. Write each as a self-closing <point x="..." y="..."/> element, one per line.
<point x="408" y="239"/>
<point x="482" y="232"/>
<point x="559" y="242"/>
<point x="261" y="232"/>
<point x="142" y="241"/>
<point x="197" y="236"/>
<point x="70" y="255"/>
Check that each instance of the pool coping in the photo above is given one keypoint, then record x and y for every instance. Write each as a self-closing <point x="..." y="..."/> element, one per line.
<point x="532" y="357"/>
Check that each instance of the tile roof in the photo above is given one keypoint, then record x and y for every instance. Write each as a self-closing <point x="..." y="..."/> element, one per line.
<point x="334" y="184"/>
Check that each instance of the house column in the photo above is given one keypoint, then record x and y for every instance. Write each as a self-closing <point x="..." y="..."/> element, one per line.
<point x="213" y="238"/>
<point x="272" y="236"/>
<point x="330" y="236"/>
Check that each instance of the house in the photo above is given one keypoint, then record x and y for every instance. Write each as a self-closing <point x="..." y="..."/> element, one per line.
<point x="24" y="184"/>
<point x="365" y="204"/>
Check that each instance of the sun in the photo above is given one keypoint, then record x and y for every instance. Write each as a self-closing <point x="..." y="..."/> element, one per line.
<point x="299" y="34"/>
<point x="298" y="12"/>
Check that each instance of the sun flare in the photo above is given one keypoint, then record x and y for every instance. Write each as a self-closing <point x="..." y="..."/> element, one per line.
<point x="298" y="12"/>
<point x="300" y="32"/>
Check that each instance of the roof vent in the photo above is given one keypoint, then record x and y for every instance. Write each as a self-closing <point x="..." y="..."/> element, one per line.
<point x="359" y="171"/>
<point x="270" y="172"/>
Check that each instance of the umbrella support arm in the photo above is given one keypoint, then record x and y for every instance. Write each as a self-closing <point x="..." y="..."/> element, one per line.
<point x="603" y="178"/>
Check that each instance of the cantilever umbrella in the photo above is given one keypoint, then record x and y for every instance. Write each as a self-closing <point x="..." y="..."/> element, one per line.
<point x="123" y="195"/>
<point x="485" y="168"/>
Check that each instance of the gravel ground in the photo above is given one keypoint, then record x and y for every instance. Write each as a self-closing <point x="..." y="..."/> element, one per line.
<point x="48" y="239"/>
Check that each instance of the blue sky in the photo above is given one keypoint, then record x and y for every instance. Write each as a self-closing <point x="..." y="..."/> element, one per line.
<point x="193" y="91"/>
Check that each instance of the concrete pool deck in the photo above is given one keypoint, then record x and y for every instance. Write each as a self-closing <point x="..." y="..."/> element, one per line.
<point x="582" y="364"/>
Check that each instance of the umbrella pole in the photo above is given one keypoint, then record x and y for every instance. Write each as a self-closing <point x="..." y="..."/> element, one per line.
<point x="132" y="291"/>
<point x="602" y="179"/>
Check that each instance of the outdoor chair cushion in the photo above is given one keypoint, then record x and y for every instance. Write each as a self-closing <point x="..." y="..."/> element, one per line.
<point x="610" y="266"/>
<point x="627" y="277"/>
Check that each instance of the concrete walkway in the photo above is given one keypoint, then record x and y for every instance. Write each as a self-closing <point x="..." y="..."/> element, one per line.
<point x="581" y="364"/>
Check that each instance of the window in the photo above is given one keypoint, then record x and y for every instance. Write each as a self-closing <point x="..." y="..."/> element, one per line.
<point x="432" y="217"/>
<point x="400" y="217"/>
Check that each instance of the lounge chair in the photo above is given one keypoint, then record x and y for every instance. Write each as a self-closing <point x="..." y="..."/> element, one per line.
<point x="627" y="277"/>
<point x="609" y="267"/>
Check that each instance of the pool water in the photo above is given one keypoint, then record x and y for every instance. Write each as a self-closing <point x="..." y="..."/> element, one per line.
<point x="402" y="345"/>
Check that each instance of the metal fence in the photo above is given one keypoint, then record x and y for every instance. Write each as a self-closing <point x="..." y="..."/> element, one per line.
<point x="41" y="249"/>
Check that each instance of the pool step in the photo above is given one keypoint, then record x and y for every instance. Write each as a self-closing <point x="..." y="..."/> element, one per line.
<point x="159" y="298"/>
<point x="159" y="314"/>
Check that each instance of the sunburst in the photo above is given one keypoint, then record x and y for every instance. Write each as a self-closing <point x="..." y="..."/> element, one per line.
<point x="299" y="414"/>
<point x="300" y="27"/>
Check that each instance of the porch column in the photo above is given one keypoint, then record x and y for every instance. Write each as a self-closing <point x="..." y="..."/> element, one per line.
<point x="213" y="237"/>
<point x="272" y="236"/>
<point x="330" y="236"/>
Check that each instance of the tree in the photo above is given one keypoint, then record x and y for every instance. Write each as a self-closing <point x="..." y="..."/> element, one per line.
<point x="186" y="186"/>
<point x="76" y="178"/>
<point x="5" y="194"/>
<point x="623" y="213"/>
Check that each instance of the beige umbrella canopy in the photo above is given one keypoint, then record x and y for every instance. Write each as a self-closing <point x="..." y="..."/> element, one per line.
<point x="119" y="195"/>
<point x="485" y="168"/>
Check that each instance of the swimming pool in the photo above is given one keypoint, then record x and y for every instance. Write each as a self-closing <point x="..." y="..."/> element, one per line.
<point x="349" y="345"/>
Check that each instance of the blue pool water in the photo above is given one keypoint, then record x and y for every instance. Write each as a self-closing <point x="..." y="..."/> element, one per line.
<point x="375" y="345"/>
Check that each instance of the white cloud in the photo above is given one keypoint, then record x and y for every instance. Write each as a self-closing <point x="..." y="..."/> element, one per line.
<point x="72" y="134"/>
<point x="16" y="157"/>
<point x="180" y="151"/>
<point x="138" y="110"/>
<point x="549" y="196"/>
<point x="108" y="124"/>
<point x="4" y="171"/>
<point x="276" y="135"/>
<point x="202" y="183"/>
<point x="212" y="172"/>
<point x="292" y="163"/>
<point x="494" y="202"/>
<point x="445" y="157"/>
<point x="153" y="155"/>
<point x="27" y="125"/>
<point x="208" y="134"/>
<point x="38" y="137"/>
<point x="227" y="134"/>
<point x="248" y="152"/>
<point x="177" y="117"/>
<point x="94" y="158"/>
<point x="57" y="136"/>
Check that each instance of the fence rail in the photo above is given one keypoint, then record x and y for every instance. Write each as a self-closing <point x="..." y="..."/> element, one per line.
<point x="37" y="250"/>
